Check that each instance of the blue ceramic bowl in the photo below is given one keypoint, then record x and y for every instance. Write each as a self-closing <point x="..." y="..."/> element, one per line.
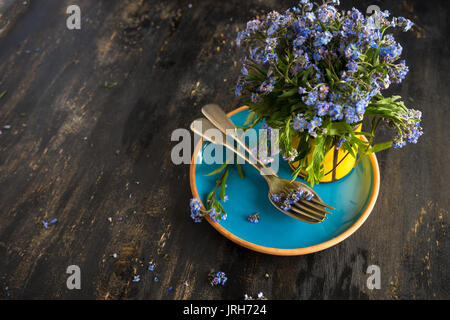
<point x="354" y="196"/>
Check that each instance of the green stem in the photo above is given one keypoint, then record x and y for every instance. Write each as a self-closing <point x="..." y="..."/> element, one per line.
<point x="219" y="182"/>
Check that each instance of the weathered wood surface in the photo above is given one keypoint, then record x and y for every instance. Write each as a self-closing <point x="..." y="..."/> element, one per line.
<point x="168" y="60"/>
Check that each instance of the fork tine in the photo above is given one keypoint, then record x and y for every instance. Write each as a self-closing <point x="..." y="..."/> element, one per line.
<point x="310" y="215"/>
<point x="316" y="213"/>
<point x="301" y="217"/>
<point x="312" y="205"/>
<point x="321" y="204"/>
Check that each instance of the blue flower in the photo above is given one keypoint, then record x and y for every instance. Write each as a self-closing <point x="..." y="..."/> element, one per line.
<point x="310" y="99"/>
<point x="213" y="215"/>
<point x="352" y="52"/>
<point x="323" y="91"/>
<point x="325" y="13"/>
<point x="322" y="108"/>
<point x="255" y="56"/>
<point x="298" y="42"/>
<point x="267" y="87"/>
<point x="285" y="205"/>
<point x="255" y="98"/>
<point x="349" y="115"/>
<point x="240" y="37"/>
<point x="195" y="210"/>
<point x="399" y="144"/>
<point x="253" y="25"/>
<point x="301" y="90"/>
<point x="336" y="112"/>
<point x="296" y="10"/>
<point x="309" y="195"/>
<point x="254" y="218"/>
<point x="311" y="16"/>
<point x="323" y="39"/>
<point x="316" y="122"/>
<point x="218" y="278"/>
<point x="272" y="42"/>
<point x="295" y="196"/>
<point x="409" y="25"/>
<point x="340" y="143"/>
<point x="48" y="223"/>
<point x="300" y="123"/>
<point x="276" y="198"/>
<point x="352" y="66"/>
<point x="272" y="29"/>
<point x="391" y="52"/>
<point x="238" y="90"/>
<point x="412" y="132"/>
<point x="361" y="106"/>
<point x="244" y="71"/>
<point x="405" y="23"/>
<point x="356" y="15"/>
<point x="317" y="56"/>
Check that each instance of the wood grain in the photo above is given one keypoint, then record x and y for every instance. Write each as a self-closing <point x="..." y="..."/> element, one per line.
<point x="82" y="153"/>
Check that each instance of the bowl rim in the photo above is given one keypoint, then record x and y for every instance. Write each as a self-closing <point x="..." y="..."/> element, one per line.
<point x="297" y="251"/>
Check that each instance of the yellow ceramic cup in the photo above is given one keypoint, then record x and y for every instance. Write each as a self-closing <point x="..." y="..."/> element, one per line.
<point x="337" y="163"/>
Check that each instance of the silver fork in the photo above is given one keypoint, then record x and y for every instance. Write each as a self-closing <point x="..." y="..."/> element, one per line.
<point x="311" y="211"/>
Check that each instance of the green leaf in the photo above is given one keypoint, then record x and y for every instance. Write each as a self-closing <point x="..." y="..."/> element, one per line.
<point x="250" y="118"/>
<point x="288" y="93"/>
<point x="348" y="147"/>
<point x="362" y="133"/>
<point x="220" y="169"/>
<point x="306" y="74"/>
<point x="222" y="186"/>
<point x="110" y="85"/>
<point x="240" y="170"/>
<point x="210" y="200"/>
<point x="339" y="128"/>
<point x="330" y="77"/>
<point x="220" y="209"/>
<point x="380" y="147"/>
<point x="3" y="94"/>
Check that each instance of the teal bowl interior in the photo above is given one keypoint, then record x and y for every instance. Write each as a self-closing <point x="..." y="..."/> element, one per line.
<point x="350" y="196"/>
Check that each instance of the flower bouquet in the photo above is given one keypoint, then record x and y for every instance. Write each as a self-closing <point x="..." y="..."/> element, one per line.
<point x="315" y="74"/>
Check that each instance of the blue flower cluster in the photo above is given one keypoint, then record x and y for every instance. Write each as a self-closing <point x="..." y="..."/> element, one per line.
<point x="254" y="218"/>
<point x="332" y="47"/>
<point x="48" y="223"/>
<point x="196" y="208"/>
<point x="301" y="124"/>
<point x="412" y="132"/>
<point x="285" y="201"/>
<point x="218" y="278"/>
<point x="197" y="213"/>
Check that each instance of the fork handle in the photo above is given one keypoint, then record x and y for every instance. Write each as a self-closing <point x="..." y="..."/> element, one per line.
<point x="204" y="128"/>
<point x="220" y="120"/>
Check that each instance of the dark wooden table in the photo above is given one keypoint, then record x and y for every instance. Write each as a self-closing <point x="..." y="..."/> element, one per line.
<point x="80" y="152"/>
